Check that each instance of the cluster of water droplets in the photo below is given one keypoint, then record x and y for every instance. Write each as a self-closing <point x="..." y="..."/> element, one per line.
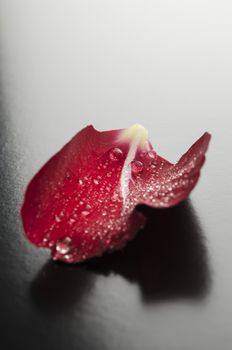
<point x="166" y="183"/>
<point x="97" y="211"/>
<point x="88" y="202"/>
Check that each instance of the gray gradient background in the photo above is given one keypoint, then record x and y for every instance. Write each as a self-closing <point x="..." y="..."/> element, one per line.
<point x="164" y="64"/>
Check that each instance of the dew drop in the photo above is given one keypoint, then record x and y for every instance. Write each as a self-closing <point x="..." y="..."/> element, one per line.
<point x="151" y="154"/>
<point x="51" y="244"/>
<point x="45" y="240"/>
<point x="153" y="165"/>
<point x="63" y="246"/>
<point x="85" y="213"/>
<point x="104" y="213"/>
<point x="68" y="257"/>
<point x="96" y="182"/>
<point x="80" y="181"/>
<point x="57" y="218"/>
<point x="71" y="221"/>
<point x="116" y="154"/>
<point x="136" y="167"/>
<point x="115" y="197"/>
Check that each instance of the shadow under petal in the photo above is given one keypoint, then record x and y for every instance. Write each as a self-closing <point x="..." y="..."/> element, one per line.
<point x="57" y="286"/>
<point x="168" y="259"/>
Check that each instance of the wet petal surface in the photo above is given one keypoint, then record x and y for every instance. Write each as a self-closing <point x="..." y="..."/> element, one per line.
<point x="82" y="202"/>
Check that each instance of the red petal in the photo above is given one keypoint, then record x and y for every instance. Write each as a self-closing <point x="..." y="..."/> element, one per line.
<point x="162" y="184"/>
<point x="81" y="203"/>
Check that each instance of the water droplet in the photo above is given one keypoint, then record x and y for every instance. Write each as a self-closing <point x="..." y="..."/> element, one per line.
<point x="151" y="154"/>
<point x="57" y="218"/>
<point x="68" y="257"/>
<point x="85" y="213"/>
<point x="136" y="166"/>
<point x="104" y="213"/>
<point x="80" y="181"/>
<point x="45" y="240"/>
<point x="96" y="182"/>
<point x="116" y="154"/>
<point x="71" y="221"/>
<point x="51" y="244"/>
<point x="115" y="197"/>
<point x="63" y="246"/>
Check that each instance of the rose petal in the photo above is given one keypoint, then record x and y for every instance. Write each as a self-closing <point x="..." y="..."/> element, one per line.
<point x="162" y="184"/>
<point x="81" y="203"/>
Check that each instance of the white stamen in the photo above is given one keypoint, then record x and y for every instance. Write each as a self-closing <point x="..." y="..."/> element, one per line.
<point x="137" y="136"/>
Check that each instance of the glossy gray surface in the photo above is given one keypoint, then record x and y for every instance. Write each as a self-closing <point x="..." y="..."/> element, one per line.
<point x="164" y="64"/>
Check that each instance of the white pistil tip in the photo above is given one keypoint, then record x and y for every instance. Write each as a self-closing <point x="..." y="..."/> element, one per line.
<point x="137" y="137"/>
<point x="136" y="134"/>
